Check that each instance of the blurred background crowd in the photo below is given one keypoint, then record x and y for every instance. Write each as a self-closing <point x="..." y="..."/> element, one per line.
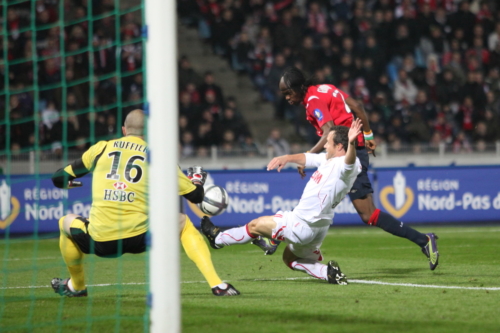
<point x="427" y="71"/>
<point x="83" y="79"/>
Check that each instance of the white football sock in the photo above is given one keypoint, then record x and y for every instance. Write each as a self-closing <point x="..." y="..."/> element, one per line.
<point x="311" y="267"/>
<point x="234" y="236"/>
<point x="70" y="286"/>
<point x="222" y="286"/>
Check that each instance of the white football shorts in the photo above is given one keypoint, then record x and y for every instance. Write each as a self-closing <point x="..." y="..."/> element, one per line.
<point x="304" y="239"/>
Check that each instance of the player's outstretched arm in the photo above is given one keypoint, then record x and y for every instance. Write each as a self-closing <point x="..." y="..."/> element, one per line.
<point x="280" y="161"/>
<point x="358" y="109"/>
<point x="350" y="156"/>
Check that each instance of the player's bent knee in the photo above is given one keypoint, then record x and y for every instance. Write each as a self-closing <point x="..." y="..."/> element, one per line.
<point x="289" y="257"/>
<point x="182" y="221"/>
<point x="65" y="223"/>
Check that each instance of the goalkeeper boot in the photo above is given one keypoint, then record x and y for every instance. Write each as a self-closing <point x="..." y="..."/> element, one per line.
<point x="229" y="291"/>
<point x="335" y="276"/>
<point x="61" y="287"/>
<point x="431" y="251"/>
<point x="210" y="231"/>
<point x="269" y="246"/>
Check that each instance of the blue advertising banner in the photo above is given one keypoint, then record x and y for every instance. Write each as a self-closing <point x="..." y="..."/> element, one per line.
<point x="415" y="195"/>
<point x="28" y="204"/>
<point x="454" y="194"/>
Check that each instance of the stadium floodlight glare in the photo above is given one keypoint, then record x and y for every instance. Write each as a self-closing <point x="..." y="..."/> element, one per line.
<point x="161" y="78"/>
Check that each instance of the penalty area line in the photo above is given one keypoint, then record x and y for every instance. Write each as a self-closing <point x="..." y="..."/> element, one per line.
<point x="413" y="285"/>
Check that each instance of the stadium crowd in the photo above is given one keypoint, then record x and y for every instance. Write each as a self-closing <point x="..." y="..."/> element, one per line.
<point x="427" y="71"/>
<point x="90" y="87"/>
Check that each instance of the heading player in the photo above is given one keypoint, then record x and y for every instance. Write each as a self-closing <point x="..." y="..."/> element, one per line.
<point x="304" y="228"/>
<point x="326" y="106"/>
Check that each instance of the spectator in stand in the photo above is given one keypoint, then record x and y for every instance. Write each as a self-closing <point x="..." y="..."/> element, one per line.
<point x="232" y="123"/>
<point x="494" y="38"/>
<point x="481" y="133"/>
<point x="228" y="145"/>
<point x="461" y="144"/>
<point x="405" y="90"/>
<point x="279" y="145"/>
<point x="448" y="89"/>
<point x="210" y="85"/>
<point x="249" y="147"/>
<point x="187" y="144"/>
<point x="427" y="109"/>
<point x="187" y="74"/>
<point x="187" y="108"/>
<point x="444" y="129"/>
<point x="418" y="130"/>
<point x="466" y="116"/>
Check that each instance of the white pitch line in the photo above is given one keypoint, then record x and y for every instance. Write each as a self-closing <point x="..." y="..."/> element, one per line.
<point x="339" y="232"/>
<point x="422" y="285"/>
<point x="286" y="279"/>
<point x="32" y="259"/>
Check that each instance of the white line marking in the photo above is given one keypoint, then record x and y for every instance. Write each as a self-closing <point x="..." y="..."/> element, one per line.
<point x="422" y="285"/>
<point x="337" y="232"/>
<point x="286" y="279"/>
<point x="33" y="258"/>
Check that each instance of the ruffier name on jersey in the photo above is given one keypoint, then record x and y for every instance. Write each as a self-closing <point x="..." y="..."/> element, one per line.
<point x="259" y="205"/>
<point x="54" y="212"/>
<point x="130" y="146"/>
<point x="119" y="195"/>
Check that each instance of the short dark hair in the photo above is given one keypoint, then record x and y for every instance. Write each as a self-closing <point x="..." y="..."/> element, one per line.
<point x="341" y="135"/>
<point x="295" y="79"/>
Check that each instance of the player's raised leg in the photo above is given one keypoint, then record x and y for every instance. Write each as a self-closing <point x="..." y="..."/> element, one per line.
<point x="261" y="226"/>
<point x="73" y="257"/>
<point x="375" y="217"/>
<point x="197" y="250"/>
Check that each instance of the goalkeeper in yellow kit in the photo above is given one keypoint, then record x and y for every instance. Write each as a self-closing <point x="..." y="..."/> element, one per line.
<point x="118" y="220"/>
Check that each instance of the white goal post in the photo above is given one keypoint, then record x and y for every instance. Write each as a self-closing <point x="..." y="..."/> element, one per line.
<point x="161" y="80"/>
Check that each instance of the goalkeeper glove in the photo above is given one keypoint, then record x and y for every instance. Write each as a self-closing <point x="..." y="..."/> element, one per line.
<point x="197" y="175"/>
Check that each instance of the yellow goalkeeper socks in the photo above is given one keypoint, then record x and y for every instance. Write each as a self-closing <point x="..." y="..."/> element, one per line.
<point x="197" y="250"/>
<point x="73" y="258"/>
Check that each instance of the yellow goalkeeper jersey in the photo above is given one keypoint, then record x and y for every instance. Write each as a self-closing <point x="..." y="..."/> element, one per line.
<point x="119" y="184"/>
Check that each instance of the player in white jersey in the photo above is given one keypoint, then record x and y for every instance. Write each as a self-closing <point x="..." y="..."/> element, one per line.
<point x="304" y="228"/>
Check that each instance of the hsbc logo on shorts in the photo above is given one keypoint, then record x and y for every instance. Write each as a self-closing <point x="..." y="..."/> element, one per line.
<point x="120" y="185"/>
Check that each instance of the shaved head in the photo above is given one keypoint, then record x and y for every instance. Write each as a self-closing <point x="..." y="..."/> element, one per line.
<point x="134" y="123"/>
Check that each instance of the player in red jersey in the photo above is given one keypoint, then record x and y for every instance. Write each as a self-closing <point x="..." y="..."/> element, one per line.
<point x="326" y="106"/>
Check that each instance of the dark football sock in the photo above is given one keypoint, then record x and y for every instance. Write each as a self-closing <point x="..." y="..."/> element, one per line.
<point x="397" y="228"/>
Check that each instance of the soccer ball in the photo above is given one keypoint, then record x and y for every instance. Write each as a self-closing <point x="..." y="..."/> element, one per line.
<point x="215" y="200"/>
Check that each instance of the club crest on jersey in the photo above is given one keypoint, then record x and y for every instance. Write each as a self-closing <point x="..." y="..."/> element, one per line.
<point x="120" y="185"/>
<point x="323" y="88"/>
<point x="318" y="114"/>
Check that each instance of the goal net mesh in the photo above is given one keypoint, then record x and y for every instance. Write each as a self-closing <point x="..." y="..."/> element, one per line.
<point x="70" y="71"/>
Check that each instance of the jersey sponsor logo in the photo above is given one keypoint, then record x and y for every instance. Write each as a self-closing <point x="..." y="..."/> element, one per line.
<point x="403" y="196"/>
<point x="324" y="88"/>
<point x="9" y="206"/>
<point x="119" y="196"/>
<point x="318" y="114"/>
<point x="120" y="185"/>
<point x="316" y="177"/>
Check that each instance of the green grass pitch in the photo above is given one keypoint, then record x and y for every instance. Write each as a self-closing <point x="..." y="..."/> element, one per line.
<point x="274" y="298"/>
